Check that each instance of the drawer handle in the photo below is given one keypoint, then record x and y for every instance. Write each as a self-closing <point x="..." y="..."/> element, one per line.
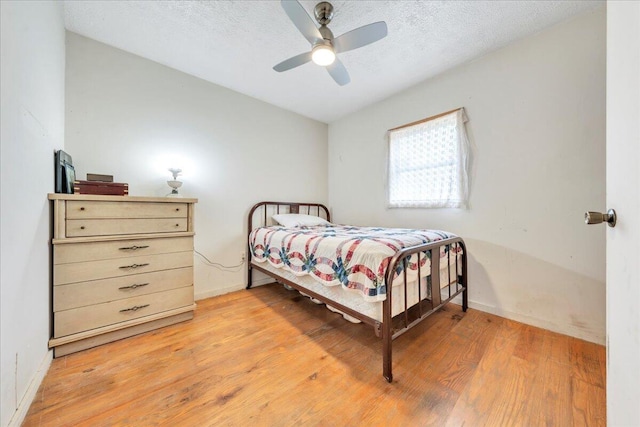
<point x="134" y="308"/>
<point x="177" y="209"/>
<point x="135" y="265"/>
<point x="82" y="227"/>
<point x="134" y="286"/>
<point x="133" y="248"/>
<point x="82" y="208"/>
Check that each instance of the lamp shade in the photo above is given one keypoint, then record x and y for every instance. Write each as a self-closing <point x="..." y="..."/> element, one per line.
<point x="323" y="55"/>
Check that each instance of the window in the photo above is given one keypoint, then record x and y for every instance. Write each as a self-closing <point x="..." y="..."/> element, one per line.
<point x="428" y="163"/>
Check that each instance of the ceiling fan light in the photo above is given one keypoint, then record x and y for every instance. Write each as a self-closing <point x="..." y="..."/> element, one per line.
<point x="323" y="55"/>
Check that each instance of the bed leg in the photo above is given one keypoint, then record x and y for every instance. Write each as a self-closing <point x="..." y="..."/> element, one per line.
<point x="386" y="340"/>
<point x="388" y="375"/>
<point x="465" y="303"/>
<point x="249" y="277"/>
<point x="386" y="355"/>
<point x="465" y="278"/>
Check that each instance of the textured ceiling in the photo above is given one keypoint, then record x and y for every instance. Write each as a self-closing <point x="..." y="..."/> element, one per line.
<point x="235" y="44"/>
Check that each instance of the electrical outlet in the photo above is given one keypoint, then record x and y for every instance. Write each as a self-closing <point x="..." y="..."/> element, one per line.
<point x="243" y="256"/>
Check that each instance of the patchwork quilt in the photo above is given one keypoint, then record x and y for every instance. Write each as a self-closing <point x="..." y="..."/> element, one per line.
<point x="355" y="258"/>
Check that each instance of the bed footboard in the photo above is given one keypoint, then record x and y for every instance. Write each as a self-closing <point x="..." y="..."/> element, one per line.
<point x="412" y="315"/>
<point x="390" y="327"/>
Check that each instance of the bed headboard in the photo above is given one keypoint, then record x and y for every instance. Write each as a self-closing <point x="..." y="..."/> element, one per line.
<point x="260" y="213"/>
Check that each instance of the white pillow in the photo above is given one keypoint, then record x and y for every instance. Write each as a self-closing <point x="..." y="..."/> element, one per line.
<point x="299" y="220"/>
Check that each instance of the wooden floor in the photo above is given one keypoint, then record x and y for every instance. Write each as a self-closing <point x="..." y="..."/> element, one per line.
<point x="271" y="357"/>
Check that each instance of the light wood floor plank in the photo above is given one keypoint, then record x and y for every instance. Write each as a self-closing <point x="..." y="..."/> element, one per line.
<point x="269" y="356"/>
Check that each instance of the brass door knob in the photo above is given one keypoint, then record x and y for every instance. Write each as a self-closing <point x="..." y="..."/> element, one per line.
<point x="597" y="217"/>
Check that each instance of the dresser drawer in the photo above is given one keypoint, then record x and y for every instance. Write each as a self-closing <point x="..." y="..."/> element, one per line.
<point x="109" y="227"/>
<point x="94" y="270"/>
<point x="66" y="297"/>
<point x="98" y="210"/>
<point x="94" y="251"/>
<point x="85" y="318"/>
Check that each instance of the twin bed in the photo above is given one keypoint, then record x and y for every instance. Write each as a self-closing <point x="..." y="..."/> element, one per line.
<point x="388" y="278"/>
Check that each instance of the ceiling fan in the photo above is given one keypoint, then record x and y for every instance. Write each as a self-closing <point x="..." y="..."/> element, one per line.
<point x="324" y="46"/>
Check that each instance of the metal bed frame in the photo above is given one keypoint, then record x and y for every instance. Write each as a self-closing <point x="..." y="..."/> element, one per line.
<point x="391" y="327"/>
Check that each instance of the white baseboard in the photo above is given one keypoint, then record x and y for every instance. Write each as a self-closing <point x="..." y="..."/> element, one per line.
<point x="28" y="396"/>
<point x="533" y="321"/>
<point x="261" y="282"/>
<point x="215" y="292"/>
<point x="222" y="291"/>
<point x="540" y="323"/>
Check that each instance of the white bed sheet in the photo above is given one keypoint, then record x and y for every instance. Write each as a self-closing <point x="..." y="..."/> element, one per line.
<point x="353" y="298"/>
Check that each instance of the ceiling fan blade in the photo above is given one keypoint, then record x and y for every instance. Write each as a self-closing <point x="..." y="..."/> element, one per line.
<point x="338" y="72"/>
<point x="293" y="62"/>
<point x="301" y="20"/>
<point x="361" y="36"/>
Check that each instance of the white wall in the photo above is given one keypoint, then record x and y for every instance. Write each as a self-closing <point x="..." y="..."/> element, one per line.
<point x="537" y="128"/>
<point x="32" y="126"/>
<point x="133" y="118"/>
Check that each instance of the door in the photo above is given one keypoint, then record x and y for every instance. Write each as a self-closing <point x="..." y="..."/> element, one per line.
<point x="623" y="195"/>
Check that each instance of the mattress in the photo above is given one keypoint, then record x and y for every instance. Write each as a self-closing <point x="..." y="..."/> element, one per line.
<point x="347" y="257"/>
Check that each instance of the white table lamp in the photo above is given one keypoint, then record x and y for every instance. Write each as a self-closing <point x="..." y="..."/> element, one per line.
<point x="174" y="183"/>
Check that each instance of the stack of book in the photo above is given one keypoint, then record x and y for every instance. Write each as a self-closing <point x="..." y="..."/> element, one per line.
<point x="101" y="184"/>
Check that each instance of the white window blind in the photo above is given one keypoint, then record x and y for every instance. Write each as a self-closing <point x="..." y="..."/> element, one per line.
<point x="428" y="163"/>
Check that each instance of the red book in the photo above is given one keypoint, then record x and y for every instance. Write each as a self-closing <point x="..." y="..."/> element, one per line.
<point x="102" y="188"/>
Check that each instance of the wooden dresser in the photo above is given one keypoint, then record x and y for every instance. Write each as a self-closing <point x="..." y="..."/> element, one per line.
<point x="122" y="265"/>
